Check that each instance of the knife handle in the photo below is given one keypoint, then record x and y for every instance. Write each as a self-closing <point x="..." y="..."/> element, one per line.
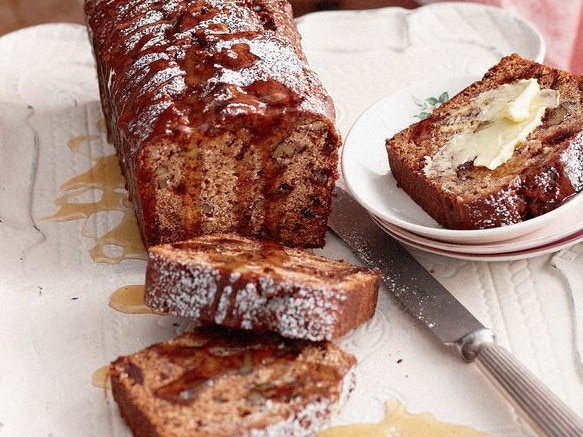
<point x="547" y="414"/>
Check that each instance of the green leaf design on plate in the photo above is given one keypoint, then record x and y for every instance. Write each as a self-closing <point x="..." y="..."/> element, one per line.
<point x="427" y="105"/>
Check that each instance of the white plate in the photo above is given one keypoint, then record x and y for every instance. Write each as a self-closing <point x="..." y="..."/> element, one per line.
<point x="509" y="256"/>
<point x="363" y="55"/>
<point x="550" y="239"/>
<point x="367" y="174"/>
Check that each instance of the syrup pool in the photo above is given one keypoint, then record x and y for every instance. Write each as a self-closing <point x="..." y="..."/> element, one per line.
<point x="101" y="378"/>
<point x="399" y="422"/>
<point x="129" y="299"/>
<point x="98" y="197"/>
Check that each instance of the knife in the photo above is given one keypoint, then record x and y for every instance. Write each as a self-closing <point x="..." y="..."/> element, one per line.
<point x="436" y="308"/>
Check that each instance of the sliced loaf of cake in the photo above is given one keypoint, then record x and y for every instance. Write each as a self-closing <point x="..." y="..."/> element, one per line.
<point x="219" y="122"/>
<point x="256" y="284"/>
<point x="484" y="159"/>
<point x="214" y="382"/>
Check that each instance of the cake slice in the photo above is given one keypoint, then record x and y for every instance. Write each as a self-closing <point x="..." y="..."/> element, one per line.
<point x="219" y="383"/>
<point x="505" y="149"/>
<point x="260" y="285"/>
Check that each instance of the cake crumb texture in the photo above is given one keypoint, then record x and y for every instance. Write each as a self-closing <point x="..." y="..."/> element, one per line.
<point x="545" y="170"/>
<point x="260" y="285"/>
<point x="219" y="122"/>
<point x="219" y="382"/>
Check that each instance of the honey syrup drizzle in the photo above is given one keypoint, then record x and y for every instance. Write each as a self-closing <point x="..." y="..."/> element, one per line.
<point x="399" y="422"/>
<point x="101" y="378"/>
<point x="104" y="186"/>
<point x="105" y="177"/>
<point x="129" y="299"/>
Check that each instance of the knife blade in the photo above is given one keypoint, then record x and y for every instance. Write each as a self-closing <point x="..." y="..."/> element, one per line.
<point x="438" y="310"/>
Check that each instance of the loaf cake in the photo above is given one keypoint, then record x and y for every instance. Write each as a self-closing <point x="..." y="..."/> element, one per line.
<point x="452" y="165"/>
<point x="222" y="383"/>
<point x="259" y="285"/>
<point x="219" y="123"/>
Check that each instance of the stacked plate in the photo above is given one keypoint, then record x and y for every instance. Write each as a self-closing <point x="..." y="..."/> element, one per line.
<point x="367" y="175"/>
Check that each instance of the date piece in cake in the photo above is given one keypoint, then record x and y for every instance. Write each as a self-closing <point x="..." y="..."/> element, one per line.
<point x="219" y="383"/>
<point x="506" y="149"/>
<point x="219" y="122"/>
<point x="260" y="285"/>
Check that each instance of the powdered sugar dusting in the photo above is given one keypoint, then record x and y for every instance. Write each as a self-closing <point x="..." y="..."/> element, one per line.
<point x="170" y="51"/>
<point x="248" y="303"/>
<point x="311" y="313"/>
<point x="292" y="309"/>
<point x="271" y="292"/>
<point x="502" y="209"/>
<point x="310" y="419"/>
<point x="199" y="277"/>
<point x="314" y="416"/>
<point x="573" y="163"/>
<point x="223" y="305"/>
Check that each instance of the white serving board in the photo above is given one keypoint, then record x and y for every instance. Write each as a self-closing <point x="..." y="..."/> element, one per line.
<point x="56" y="328"/>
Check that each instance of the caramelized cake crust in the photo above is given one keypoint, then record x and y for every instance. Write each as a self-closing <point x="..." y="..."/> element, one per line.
<point x="219" y="122"/>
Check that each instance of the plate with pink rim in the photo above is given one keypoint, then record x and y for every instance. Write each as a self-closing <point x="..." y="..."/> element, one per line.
<point x="367" y="175"/>
<point x="548" y="239"/>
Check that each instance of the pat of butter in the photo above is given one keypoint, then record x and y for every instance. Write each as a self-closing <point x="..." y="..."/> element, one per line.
<point x="519" y="109"/>
<point x="507" y="115"/>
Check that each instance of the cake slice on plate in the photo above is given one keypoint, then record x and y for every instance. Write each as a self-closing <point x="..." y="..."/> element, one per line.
<point x="505" y="149"/>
